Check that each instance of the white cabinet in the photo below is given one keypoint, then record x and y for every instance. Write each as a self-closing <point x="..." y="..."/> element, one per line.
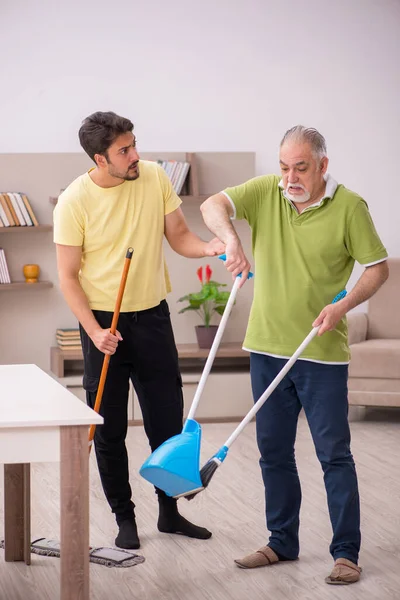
<point x="226" y="396"/>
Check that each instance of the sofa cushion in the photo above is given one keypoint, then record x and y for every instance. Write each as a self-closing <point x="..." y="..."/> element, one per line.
<point x="383" y="307"/>
<point x="357" y="325"/>
<point x="368" y="384"/>
<point x="375" y="358"/>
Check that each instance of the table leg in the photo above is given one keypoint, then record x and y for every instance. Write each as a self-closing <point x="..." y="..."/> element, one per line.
<point x="17" y="512"/>
<point x="74" y="475"/>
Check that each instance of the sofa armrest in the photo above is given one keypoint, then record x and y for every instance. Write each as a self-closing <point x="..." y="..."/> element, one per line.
<point x="357" y="323"/>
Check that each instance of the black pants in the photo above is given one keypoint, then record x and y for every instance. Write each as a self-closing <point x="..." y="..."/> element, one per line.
<point x="148" y="356"/>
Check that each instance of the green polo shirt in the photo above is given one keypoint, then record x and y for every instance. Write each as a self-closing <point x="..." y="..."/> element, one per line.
<point x="301" y="262"/>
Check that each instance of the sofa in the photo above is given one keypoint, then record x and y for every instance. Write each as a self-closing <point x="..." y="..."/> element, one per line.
<point x="374" y="337"/>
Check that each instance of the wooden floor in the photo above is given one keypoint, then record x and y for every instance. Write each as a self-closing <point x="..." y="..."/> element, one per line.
<point x="177" y="568"/>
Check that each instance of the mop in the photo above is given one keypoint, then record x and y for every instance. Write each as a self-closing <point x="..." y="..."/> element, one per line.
<point x="110" y="557"/>
<point x="113" y="328"/>
<point x="174" y="467"/>
<point x="215" y="461"/>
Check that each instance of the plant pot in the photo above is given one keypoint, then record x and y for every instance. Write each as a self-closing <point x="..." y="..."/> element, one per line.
<point x="205" y="335"/>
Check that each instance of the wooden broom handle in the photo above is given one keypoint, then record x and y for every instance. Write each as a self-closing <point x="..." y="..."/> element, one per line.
<point x="113" y="329"/>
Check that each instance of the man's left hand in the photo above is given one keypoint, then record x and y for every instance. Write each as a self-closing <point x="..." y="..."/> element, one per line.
<point x="329" y="317"/>
<point x="214" y="247"/>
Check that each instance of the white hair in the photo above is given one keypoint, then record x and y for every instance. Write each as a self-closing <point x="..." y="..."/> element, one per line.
<point x="299" y="133"/>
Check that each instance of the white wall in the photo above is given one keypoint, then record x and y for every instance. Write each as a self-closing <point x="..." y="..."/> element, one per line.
<point x="213" y="75"/>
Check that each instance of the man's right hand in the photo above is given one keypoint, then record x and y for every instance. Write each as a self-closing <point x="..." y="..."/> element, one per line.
<point x="236" y="261"/>
<point x="105" y="341"/>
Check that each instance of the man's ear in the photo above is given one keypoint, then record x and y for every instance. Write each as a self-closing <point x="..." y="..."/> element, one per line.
<point x="324" y="165"/>
<point x="100" y="160"/>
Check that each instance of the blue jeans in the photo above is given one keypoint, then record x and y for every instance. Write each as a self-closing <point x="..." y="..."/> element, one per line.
<point x="321" y="389"/>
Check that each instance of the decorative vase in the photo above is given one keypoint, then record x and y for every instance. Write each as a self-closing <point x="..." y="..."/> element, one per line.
<point x="205" y="335"/>
<point x="31" y="273"/>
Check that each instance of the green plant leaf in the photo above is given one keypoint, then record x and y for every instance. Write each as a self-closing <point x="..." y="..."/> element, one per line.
<point x="187" y="308"/>
<point x="222" y="297"/>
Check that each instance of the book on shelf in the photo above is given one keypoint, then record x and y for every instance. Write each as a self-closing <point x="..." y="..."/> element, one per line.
<point x="4" y="272"/>
<point x="76" y="347"/>
<point x="69" y="332"/>
<point x="16" y="210"/>
<point x="69" y="342"/>
<point x="177" y="171"/>
<point x="68" y="339"/>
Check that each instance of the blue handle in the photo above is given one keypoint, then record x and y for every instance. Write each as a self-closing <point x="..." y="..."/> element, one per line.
<point x="223" y="257"/>
<point x="340" y="296"/>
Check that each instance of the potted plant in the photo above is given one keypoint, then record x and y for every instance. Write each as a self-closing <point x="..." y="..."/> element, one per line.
<point x="209" y="300"/>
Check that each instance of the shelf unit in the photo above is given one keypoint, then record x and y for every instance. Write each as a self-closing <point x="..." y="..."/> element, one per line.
<point x="26" y="229"/>
<point x="188" y="354"/>
<point x="22" y="285"/>
<point x="190" y="189"/>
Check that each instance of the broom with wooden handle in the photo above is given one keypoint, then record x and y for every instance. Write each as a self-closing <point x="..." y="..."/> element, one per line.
<point x="215" y="461"/>
<point x="113" y="329"/>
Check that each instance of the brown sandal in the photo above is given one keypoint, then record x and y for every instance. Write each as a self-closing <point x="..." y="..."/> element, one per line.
<point x="263" y="557"/>
<point x="344" y="572"/>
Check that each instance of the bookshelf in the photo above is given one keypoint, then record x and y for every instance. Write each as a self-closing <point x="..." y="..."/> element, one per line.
<point x="36" y="315"/>
<point x="22" y="285"/>
<point x="190" y="192"/>
<point x="65" y="362"/>
<point x="25" y="229"/>
<point x="16" y="286"/>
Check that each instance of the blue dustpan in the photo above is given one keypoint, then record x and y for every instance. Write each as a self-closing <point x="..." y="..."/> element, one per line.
<point x="175" y="465"/>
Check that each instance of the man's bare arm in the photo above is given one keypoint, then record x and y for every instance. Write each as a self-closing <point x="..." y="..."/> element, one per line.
<point x="185" y="242"/>
<point x="217" y="212"/>
<point x="367" y="285"/>
<point x="69" y="263"/>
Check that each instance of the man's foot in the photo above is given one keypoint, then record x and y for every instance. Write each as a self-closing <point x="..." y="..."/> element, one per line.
<point x="263" y="557"/>
<point x="344" y="572"/>
<point x="170" y="521"/>
<point x="127" y="537"/>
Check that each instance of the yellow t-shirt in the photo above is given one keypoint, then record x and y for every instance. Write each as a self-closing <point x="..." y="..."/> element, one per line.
<point x="105" y="222"/>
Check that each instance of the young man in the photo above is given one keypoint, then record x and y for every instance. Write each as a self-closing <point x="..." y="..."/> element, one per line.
<point x="119" y="203"/>
<point x="307" y="232"/>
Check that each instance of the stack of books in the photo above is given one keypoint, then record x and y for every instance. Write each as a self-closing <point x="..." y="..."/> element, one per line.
<point x="15" y="210"/>
<point x="4" y="273"/>
<point x="68" y="339"/>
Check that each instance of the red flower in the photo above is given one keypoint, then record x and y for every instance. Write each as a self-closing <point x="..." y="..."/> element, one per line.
<point x="208" y="273"/>
<point x="200" y="274"/>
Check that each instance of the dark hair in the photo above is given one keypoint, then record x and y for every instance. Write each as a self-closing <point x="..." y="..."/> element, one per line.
<point x="99" y="130"/>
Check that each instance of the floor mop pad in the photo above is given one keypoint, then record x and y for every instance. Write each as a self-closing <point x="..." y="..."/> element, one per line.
<point x="109" y="557"/>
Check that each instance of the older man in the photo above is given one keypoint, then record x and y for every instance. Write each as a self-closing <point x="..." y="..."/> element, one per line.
<point x="307" y="232"/>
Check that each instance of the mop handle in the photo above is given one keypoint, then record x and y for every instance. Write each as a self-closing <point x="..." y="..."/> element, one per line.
<point x="113" y="328"/>
<point x="215" y="344"/>
<point x="277" y="379"/>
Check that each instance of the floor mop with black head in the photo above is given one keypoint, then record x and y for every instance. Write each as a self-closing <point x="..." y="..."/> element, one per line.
<point x="215" y="461"/>
<point x="174" y="467"/>
<point x="110" y="557"/>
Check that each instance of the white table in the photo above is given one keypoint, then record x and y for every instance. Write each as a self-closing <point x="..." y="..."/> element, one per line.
<point x="41" y="421"/>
